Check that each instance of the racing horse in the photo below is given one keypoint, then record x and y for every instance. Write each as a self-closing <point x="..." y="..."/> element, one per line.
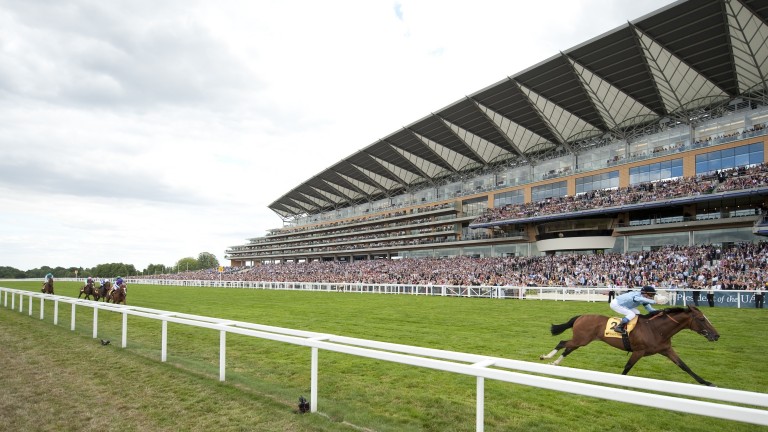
<point x="118" y="294"/>
<point x="47" y="287"/>
<point x="103" y="291"/>
<point x="652" y="334"/>
<point x="89" y="291"/>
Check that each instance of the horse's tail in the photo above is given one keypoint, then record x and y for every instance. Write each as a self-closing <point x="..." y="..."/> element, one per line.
<point x="556" y="329"/>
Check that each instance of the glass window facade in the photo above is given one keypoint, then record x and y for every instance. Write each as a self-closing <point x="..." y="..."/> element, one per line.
<point x="597" y="182"/>
<point x="512" y="197"/>
<point x="653" y="241"/>
<point x="520" y="249"/>
<point x="729" y="158"/>
<point x="656" y="171"/>
<point x="478" y="251"/>
<point x="727" y="235"/>
<point x="474" y="206"/>
<point x="542" y="192"/>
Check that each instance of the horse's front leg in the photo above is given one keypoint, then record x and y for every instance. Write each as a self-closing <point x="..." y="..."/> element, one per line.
<point x="672" y="355"/>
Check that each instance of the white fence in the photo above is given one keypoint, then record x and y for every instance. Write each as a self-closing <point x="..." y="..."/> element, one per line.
<point x="723" y="298"/>
<point x="481" y="367"/>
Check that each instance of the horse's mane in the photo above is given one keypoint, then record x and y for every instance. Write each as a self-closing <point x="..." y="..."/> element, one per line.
<point x="671" y="310"/>
<point x="668" y="311"/>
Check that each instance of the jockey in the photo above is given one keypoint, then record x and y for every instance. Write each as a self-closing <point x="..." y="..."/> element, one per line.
<point x="103" y="286"/>
<point x="48" y="279"/>
<point x="119" y="282"/>
<point x="627" y="304"/>
<point x="89" y="281"/>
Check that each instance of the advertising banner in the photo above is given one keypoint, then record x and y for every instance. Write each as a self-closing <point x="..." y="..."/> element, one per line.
<point x="734" y="299"/>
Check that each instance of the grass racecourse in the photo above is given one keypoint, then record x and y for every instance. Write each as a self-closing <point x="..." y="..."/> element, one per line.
<point x="54" y="379"/>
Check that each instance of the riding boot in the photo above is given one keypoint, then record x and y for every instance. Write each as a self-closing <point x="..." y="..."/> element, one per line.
<point x="622" y="327"/>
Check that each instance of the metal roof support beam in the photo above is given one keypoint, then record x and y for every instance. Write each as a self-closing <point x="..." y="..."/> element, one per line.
<point x="423" y="174"/>
<point x="498" y="129"/>
<point x="469" y="147"/>
<point x="416" y="135"/>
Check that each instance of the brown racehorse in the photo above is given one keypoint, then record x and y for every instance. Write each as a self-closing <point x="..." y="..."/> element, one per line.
<point x="48" y="287"/>
<point x="88" y="290"/>
<point x="118" y="294"/>
<point x="652" y="335"/>
<point x="103" y="291"/>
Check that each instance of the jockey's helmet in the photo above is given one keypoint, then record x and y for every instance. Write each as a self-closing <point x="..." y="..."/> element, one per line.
<point x="648" y="290"/>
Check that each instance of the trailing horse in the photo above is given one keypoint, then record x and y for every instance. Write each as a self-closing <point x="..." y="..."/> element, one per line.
<point x="103" y="291"/>
<point x="48" y="287"/>
<point x="652" y="334"/>
<point x="88" y="290"/>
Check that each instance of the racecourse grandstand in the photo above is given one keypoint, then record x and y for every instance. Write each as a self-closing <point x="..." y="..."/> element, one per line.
<point x="648" y="136"/>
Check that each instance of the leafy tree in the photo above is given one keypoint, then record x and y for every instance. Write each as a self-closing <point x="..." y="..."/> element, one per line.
<point x="154" y="269"/>
<point x="187" y="264"/>
<point x="11" y="273"/>
<point x="207" y="260"/>
<point x="112" y="270"/>
<point x="102" y="270"/>
<point x="41" y="272"/>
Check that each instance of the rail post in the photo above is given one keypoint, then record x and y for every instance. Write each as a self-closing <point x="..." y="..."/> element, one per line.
<point x="222" y="354"/>
<point x="125" y="329"/>
<point x="164" y="342"/>
<point x="72" y="323"/>
<point x="95" y="322"/>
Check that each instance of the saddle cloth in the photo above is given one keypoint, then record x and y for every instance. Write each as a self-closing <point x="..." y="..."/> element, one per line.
<point x="613" y="322"/>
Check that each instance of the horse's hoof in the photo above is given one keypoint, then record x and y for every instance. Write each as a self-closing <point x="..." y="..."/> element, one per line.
<point x="541" y="357"/>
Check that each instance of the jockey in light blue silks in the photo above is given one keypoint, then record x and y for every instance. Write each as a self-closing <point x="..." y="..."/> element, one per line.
<point x="48" y="280"/>
<point x="627" y="304"/>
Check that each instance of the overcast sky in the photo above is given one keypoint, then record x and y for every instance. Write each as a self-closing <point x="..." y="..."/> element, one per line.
<point x="143" y="132"/>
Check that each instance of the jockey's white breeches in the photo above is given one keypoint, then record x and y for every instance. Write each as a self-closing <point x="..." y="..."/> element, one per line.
<point x="627" y="312"/>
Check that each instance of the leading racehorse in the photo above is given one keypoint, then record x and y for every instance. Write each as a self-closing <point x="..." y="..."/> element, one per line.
<point x="651" y="335"/>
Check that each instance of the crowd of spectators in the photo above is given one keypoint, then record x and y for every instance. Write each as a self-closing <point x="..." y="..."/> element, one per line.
<point x="722" y="181"/>
<point x="740" y="266"/>
<point x="743" y="178"/>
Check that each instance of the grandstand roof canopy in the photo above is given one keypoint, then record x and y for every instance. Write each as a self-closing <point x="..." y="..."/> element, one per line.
<point x="689" y="56"/>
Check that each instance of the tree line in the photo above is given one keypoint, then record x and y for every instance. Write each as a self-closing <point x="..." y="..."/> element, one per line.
<point x="205" y="260"/>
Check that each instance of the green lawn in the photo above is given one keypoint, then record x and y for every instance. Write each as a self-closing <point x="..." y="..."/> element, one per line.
<point x="264" y="379"/>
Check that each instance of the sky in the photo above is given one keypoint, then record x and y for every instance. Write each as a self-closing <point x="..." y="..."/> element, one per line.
<point x="143" y="132"/>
